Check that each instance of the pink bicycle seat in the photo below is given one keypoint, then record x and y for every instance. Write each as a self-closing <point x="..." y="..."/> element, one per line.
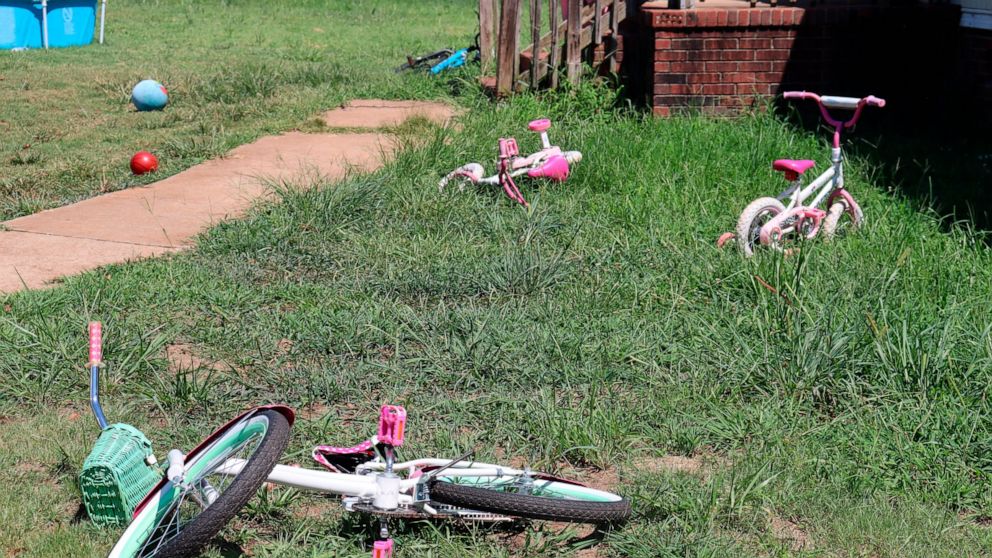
<point x="556" y="168"/>
<point x="797" y="166"/>
<point x="539" y="125"/>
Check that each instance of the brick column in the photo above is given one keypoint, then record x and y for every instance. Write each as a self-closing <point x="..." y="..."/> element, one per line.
<point x="719" y="60"/>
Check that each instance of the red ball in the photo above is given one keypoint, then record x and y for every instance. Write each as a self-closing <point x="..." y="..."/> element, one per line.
<point x="143" y="162"/>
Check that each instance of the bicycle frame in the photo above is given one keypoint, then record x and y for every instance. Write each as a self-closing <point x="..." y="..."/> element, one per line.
<point x="363" y="483"/>
<point x="830" y="180"/>
<point x="798" y="213"/>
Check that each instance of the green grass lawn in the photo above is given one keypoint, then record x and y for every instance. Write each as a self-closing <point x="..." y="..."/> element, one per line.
<point x="235" y="71"/>
<point x="831" y="403"/>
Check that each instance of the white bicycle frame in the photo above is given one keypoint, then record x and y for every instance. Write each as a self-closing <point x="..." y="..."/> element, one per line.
<point x="522" y="165"/>
<point x="370" y="484"/>
<point x="829" y="181"/>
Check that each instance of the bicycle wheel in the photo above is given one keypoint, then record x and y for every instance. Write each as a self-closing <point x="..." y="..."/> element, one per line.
<point x="177" y="521"/>
<point x="754" y="216"/>
<point x="832" y="224"/>
<point x="543" y="499"/>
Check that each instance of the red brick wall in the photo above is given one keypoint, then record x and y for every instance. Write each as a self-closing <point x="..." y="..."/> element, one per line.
<point x="720" y="60"/>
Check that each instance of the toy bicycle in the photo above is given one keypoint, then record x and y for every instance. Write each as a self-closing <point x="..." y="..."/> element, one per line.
<point x="176" y="509"/>
<point x="769" y="222"/>
<point x="441" y="60"/>
<point x="550" y="162"/>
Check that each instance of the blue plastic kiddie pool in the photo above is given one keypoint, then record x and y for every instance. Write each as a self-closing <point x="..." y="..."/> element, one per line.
<point x="69" y="23"/>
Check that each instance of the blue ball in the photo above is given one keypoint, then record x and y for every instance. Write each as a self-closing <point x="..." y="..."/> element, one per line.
<point x="149" y="95"/>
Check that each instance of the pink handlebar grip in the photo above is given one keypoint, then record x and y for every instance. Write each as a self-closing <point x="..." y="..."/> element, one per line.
<point x="392" y="423"/>
<point x="802" y="95"/>
<point x="874" y="101"/>
<point x="96" y="343"/>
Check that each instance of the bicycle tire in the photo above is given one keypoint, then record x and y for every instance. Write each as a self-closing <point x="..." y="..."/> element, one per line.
<point x="832" y="223"/>
<point x="606" y="508"/>
<point x="199" y="530"/>
<point x="756" y="214"/>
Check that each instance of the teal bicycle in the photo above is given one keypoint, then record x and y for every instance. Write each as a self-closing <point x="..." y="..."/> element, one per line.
<point x="179" y="507"/>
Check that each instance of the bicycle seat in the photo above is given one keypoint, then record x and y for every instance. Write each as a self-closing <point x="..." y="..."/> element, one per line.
<point x="539" y="125"/>
<point x="793" y="167"/>
<point x="556" y="168"/>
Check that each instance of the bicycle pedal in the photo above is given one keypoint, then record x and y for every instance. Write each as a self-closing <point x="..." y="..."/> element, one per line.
<point x="508" y="148"/>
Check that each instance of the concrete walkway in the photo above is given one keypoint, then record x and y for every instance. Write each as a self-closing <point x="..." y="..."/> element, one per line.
<point x="167" y="215"/>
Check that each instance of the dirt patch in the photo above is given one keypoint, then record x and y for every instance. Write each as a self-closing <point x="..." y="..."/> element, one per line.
<point x="700" y="465"/>
<point x="71" y="414"/>
<point x="29" y="467"/>
<point x="183" y="357"/>
<point x="284" y="346"/>
<point x="313" y="411"/>
<point x="515" y="461"/>
<point x="317" y="508"/>
<point x="977" y="519"/>
<point x="789" y="533"/>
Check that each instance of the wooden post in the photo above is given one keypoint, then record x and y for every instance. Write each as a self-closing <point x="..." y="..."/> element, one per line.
<point x="535" y="37"/>
<point x="572" y="37"/>
<point x="488" y="33"/>
<point x="597" y="32"/>
<point x="508" y="63"/>
<point x="554" y="59"/>
<point x="614" y="34"/>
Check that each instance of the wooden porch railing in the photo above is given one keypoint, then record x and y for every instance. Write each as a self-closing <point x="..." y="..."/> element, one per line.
<point x="588" y="27"/>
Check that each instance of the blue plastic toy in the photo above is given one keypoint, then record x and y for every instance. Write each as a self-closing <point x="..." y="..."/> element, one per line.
<point x="149" y="95"/>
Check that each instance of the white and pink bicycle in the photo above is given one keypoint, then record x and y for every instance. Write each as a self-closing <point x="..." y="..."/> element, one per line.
<point x="550" y="162"/>
<point x="202" y="491"/>
<point x="768" y="222"/>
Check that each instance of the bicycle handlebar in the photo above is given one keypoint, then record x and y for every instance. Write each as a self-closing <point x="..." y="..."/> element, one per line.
<point x="844" y="103"/>
<point x="802" y="95"/>
<point x="849" y="103"/>
<point x="96" y="358"/>
<point x="458" y="58"/>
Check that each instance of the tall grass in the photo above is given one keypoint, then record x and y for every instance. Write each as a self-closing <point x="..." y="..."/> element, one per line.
<point x="843" y="388"/>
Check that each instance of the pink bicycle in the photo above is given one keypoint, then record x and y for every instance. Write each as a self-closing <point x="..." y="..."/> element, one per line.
<point x="769" y="222"/>
<point x="550" y="162"/>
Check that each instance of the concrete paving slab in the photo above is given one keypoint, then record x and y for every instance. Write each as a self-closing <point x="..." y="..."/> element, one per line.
<point x="167" y="215"/>
<point x="36" y="260"/>
<point x="173" y="211"/>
